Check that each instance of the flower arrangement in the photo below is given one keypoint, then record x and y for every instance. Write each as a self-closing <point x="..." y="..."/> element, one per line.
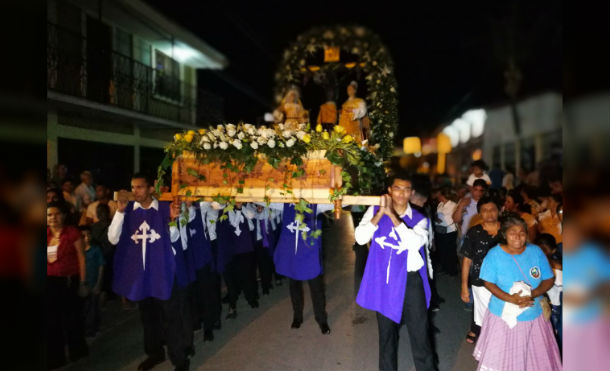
<point x="238" y="147"/>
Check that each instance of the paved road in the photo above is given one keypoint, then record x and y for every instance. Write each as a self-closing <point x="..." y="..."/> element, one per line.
<point x="261" y="339"/>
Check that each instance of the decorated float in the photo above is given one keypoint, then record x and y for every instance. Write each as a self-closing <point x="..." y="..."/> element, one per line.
<point x="336" y="156"/>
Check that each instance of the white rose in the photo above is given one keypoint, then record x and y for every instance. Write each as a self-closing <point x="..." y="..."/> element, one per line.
<point x="220" y="128"/>
<point x="230" y="127"/>
<point x="231" y="132"/>
<point x="215" y="145"/>
<point x="206" y="146"/>
<point x="261" y="140"/>
<point x="251" y="131"/>
<point x="286" y="133"/>
<point x="280" y="126"/>
<point x="271" y="143"/>
<point x="254" y="145"/>
<point x="270" y="133"/>
<point x="300" y="135"/>
<point x="237" y="143"/>
<point x="290" y="142"/>
<point x="241" y="135"/>
<point x="204" y="139"/>
<point x="223" y="145"/>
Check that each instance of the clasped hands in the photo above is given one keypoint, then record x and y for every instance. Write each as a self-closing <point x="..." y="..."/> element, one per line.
<point x="521" y="301"/>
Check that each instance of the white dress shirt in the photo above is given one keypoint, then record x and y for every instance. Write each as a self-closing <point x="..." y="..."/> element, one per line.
<point x="444" y="212"/>
<point x="410" y="239"/>
<point x="116" y="227"/>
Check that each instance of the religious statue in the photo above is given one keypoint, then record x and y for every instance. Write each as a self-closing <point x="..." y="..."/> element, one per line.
<point x="291" y="111"/>
<point x="327" y="117"/>
<point x="353" y="116"/>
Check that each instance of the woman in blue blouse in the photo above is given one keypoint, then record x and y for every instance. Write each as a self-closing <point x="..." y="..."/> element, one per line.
<point x="515" y="335"/>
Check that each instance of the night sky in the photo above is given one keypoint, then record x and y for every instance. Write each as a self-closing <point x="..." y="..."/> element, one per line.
<point x="448" y="56"/>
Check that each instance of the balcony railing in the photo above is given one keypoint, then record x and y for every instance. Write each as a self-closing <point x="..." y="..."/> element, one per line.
<point x="78" y="67"/>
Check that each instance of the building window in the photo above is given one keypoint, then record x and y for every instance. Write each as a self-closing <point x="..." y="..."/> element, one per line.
<point x="167" y="77"/>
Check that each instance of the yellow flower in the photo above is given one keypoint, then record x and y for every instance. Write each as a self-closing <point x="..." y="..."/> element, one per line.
<point x="319" y="128"/>
<point x="306" y="138"/>
<point x="348" y="139"/>
<point x="339" y="129"/>
<point x="325" y="135"/>
<point x="188" y="138"/>
<point x="201" y="131"/>
<point x="190" y="132"/>
<point x="177" y="137"/>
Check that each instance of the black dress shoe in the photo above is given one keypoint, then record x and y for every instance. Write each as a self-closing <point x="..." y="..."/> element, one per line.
<point x="296" y="323"/>
<point x="208" y="335"/>
<point x="324" y="328"/>
<point x="190" y="351"/>
<point x="183" y="367"/>
<point x="150" y="362"/>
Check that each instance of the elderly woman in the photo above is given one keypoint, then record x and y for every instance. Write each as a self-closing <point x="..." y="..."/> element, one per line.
<point x="65" y="283"/>
<point x="515" y="334"/>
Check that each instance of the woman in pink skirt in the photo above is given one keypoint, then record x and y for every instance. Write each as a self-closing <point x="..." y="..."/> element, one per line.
<point x="515" y="335"/>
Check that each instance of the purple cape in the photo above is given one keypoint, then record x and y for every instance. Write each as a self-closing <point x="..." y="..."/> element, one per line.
<point x="385" y="276"/>
<point x="294" y="257"/>
<point x="140" y="274"/>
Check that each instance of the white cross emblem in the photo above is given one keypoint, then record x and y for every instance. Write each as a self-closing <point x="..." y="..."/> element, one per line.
<point x="296" y="227"/>
<point x="382" y="242"/>
<point x="152" y="237"/>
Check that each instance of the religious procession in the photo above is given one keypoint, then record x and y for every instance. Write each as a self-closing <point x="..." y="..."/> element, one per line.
<point x="188" y="239"/>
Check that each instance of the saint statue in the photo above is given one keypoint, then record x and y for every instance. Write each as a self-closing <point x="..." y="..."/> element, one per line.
<point x="291" y="111"/>
<point x="327" y="117"/>
<point x="353" y="117"/>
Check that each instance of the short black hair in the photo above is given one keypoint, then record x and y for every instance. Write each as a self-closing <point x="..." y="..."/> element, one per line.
<point x="480" y="183"/>
<point x="400" y="175"/>
<point x="59" y="205"/>
<point x="84" y="228"/>
<point x="547" y="240"/>
<point x="142" y="175"/>
<point x="486" y="199"/>
<point x="516" y="196"/>
<point x="480" y="164"/>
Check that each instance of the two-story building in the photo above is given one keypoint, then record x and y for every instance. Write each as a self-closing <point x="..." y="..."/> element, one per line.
<point x="121" y="80"/>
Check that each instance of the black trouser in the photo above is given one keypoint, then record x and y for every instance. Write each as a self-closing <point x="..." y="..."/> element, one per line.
<point x="415" y="316"/>
<point x="92" y="314"/>
<point x="265" y="266"/>
<point x="205" y="299"/>
<point x="316" y="289"/>
<point x="215" y="309"/>
<point x="240" y="274"/>
<point x="165" y="321"/>
<point x="446" y="244"/>
<point x="65" y="321"/>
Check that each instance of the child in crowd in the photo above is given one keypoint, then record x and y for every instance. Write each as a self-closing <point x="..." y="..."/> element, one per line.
<point x="94" y="276"/>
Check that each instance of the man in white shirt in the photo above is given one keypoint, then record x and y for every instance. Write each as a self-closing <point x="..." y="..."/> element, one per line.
<point x="395" y="282"/>
<point x="145" y="270"/>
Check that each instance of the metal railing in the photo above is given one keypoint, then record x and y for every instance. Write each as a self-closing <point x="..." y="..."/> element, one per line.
<point x="77" y="67"/>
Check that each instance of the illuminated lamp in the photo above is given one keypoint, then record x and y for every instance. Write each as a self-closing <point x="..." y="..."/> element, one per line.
<point x="443" y="146"/>
<point x="477" y="154"/>
<point x="331" y="54"/>
<point x="411" y="145"/>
